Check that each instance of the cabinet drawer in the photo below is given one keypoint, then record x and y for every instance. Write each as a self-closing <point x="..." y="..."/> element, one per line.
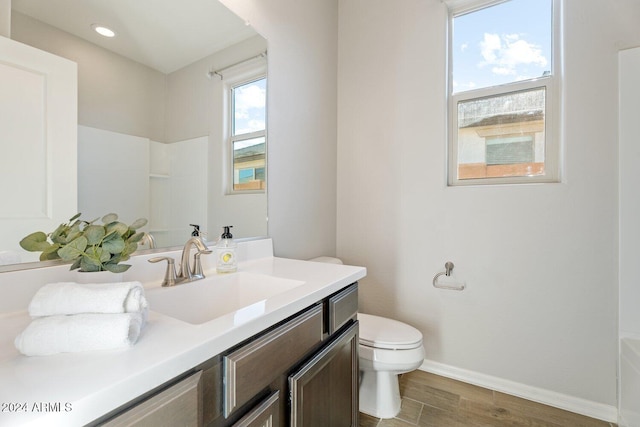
<point x="266" y="414"/>
<point x="343" y="307"/>
<point x="177" y="405"/>
<point x="253" y="367"/>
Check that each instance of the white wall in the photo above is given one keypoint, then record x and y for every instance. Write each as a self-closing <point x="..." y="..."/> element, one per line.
<point x="629" y="210"/>
<point x="190" y="92"/>
<point x="113" y="175"/>
<point x="629" y="202"/>
<point x="540" y="261"/>
<point x="5" y="18"/>
<point x="179" y="178"/>
<point x="302" y="37"/>
<point x="134" y="103"/>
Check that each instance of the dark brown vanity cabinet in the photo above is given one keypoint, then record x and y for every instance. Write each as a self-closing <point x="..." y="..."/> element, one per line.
<point x="302" y="372"/>
<point x="324" y="390"/>
<point x="176" y="405"/>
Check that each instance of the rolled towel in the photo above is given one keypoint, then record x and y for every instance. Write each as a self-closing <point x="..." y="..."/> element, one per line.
<point x="80" y="332"/>
<point x="73" y="298"/>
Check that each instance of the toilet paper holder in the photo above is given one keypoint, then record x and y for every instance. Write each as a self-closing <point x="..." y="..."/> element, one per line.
<point x="454" y="286"/>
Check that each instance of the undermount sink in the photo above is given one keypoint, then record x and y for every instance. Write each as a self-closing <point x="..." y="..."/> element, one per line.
<point x="241" y="293"/>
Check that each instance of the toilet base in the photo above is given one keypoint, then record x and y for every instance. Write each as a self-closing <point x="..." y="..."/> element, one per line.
<point x="379" y="394"/>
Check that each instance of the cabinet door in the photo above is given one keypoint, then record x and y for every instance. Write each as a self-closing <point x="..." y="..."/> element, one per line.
<point x="266" y="414"/>
<point x="324" y="392"/>
<point x="178" y="405"/>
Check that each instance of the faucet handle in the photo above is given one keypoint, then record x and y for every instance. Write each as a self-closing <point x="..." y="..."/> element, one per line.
<point x="170" y="273"/>
<point x="197" y="265"/>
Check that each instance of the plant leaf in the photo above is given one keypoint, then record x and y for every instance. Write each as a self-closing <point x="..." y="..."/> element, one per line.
<point x="119" y="227"/>
<point x="138" y="223"/>
<point x="76" y="264"/>
<point x="135" y="238"/>
<point x="59" y="234"/>
<point x="97" y="255"/>
<point x="114" y="246"/>
<point x="109" y="218"/>
<point x="89" y="245"/>
<point x="93" y="258"/>
<point x="117" y="268"/>
<point x="74" y="232"/>
<point x="35" y="242"/>
<point x="88" y="264"/>
<point x="50" y="253"/>
<point x="94" y="234"/>
<point x="128" y="249"/>
<point x="89" y="222"/>
<point x="105" y="256"/>
<point x="73" y="249"/>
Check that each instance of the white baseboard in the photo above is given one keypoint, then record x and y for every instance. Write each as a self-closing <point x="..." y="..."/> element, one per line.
<point x="546" y="397"/>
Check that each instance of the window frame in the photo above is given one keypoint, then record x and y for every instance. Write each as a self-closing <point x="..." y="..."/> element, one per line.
<point x="551" y="83"/>
<point x="240" y="76"/>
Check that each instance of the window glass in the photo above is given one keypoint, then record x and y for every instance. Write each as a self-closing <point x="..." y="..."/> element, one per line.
<point x="248" y="135"/>
<point x="501" y="92"/>
<point x="501" y="44"/>
<point x="249" y="164"/>
<point x="502" y="135"/>
<point x="249" y="107"/>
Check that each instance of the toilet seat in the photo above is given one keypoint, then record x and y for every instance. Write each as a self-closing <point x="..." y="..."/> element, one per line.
<point x="383" y="333"/>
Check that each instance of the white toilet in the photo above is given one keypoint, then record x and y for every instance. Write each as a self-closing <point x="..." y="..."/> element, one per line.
<point x="387" y="349"/>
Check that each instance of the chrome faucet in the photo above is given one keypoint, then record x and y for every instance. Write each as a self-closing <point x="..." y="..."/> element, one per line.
<point x="186" y="273"/>
<point x="148" y="238"/>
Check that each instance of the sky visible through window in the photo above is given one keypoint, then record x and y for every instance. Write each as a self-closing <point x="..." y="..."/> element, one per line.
<point x="501" y="44"/>
<point x="250" y="108"/>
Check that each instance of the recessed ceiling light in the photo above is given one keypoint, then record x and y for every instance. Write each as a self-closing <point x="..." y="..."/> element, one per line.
<point x="103" y="31"/>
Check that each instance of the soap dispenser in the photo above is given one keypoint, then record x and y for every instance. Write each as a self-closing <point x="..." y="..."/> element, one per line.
<point x="197" y="233"/>
<point x="226" y="252"/>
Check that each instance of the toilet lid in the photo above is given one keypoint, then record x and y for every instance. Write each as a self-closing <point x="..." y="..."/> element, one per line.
<point x="380" y="332"/>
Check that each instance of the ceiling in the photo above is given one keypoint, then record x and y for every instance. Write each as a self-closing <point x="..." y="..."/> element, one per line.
<point x="163" y="34"/>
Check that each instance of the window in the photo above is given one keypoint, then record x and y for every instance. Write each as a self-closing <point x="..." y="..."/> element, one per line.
<point x="248" y="137"/>
<point x="502" y="91"/>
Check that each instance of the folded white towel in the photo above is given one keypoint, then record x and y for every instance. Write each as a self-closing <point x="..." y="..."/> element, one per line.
<point x="73" y="298"/>
<point x="80" y="332"/>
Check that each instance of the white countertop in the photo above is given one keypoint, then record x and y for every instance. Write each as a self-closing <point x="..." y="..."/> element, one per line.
<point x="76" y="388"/>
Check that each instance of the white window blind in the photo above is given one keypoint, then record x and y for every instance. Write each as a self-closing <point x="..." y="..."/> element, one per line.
<point x="462" y="6"/>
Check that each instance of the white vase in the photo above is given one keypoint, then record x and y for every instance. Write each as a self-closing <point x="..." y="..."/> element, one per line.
<point x="98" y="277"/>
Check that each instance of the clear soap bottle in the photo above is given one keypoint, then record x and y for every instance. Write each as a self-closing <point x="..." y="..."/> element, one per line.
<point x="226" y="252"/>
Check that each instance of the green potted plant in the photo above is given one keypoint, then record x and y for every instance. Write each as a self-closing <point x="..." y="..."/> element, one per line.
<point x="90" y="246"/>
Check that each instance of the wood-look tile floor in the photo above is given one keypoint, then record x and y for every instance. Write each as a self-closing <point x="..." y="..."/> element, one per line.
<point x="430" y="400"/>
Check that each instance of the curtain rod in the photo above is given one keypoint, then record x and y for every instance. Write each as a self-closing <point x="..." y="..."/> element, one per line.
<point x="218" y="72"/>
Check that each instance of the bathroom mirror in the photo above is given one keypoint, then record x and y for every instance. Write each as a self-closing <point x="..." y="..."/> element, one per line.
<point x="167" y="117"/>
